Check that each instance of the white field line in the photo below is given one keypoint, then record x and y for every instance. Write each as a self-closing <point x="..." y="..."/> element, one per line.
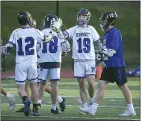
<point x="68" y="83"/>
<point x="102" y="106"/>
<point x="78" y="97"/>
<point x="66" y="118"/>
<point x="137" y="91"/>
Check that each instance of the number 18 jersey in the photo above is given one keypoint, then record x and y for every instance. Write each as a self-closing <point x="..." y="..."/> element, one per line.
<point x="83" y="41"/>
<point x="25" y="40"/>
<point x="51" y="52"/>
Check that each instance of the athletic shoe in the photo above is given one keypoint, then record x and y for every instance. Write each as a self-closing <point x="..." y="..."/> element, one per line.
<point x="11" y="102"/>
<point x="90" y="109"/>
<point x="63" y="104"/>
<point x="36" y="114"/>
<point x="27" y="108"/>
<point x="55" y="111"/>
<point x="128" y="112"/>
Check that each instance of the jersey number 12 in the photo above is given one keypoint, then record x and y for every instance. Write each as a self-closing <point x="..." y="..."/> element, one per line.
<point x="28" y="50"/>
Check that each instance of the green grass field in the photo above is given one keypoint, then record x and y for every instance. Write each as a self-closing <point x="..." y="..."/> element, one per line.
<point x="112" y="105"/>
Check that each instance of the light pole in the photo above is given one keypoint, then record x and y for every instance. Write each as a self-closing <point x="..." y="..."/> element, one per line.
<point x="57" y="8"/>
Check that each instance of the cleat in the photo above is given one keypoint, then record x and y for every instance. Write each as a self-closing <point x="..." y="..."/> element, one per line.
<point x="11" y="102"/>
<point x="90" y="109"/>
<point x="128" y="112"/>
<point x="27" y="108"/>
<point x="55" y="111"/>
<point x="84" y="109"/>
<point x="20" y="110"/>
<point x="36" y="114"/>
<point x="63" y="104"/>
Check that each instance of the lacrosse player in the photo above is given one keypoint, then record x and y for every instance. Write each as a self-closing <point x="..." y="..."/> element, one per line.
<point x="26" y="40"/>
<point x="85" y="40"/>
<point x="50" y="58"/>
<point x="60" y="99"/>
<point x="114" y="70"/>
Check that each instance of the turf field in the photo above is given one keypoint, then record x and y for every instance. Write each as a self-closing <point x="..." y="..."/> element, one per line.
<point x="112" y="105"/>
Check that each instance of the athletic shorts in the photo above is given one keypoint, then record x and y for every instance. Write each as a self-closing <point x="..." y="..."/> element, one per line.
<point x="114" y="74"/>
<point x="84" y="68"/>
<point x="52" y="74"/>
<point x="26" y="71"/>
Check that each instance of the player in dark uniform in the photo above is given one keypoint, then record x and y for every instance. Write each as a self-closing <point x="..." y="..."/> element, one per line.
<point x="114" y="70"/>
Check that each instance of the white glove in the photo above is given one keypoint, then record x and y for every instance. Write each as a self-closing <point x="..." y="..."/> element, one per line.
<point x="49" y="37"/>
<point x="56" y="26"/>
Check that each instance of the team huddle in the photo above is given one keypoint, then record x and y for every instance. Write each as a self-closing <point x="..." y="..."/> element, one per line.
<point x="39" y="55"/>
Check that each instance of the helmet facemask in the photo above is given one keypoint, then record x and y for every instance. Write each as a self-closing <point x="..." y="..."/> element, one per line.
<point x="83" y="16"/>
<point x="104" y="24"/>
<point x="52" y="21"/>
<point x="83" y="19"/>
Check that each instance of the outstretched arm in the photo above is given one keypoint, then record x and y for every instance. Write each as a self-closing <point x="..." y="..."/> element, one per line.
<point x="6" y="49"/>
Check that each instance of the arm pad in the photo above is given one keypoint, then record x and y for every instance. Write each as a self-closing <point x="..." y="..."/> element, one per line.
<point x="97" y="46"/>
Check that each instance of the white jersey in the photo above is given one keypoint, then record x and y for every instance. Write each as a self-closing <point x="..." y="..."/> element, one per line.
<point x="83" y="41"/>
<point x="25" y="40"/>
<point x="51" y="52"/>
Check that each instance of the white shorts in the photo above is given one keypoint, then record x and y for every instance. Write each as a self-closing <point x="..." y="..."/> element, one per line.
<point x="53" y="74"/>
<point x="84" y="68"/>
<point x="26" y="71"/>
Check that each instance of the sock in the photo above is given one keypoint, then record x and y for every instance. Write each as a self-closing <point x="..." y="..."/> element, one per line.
<point x="130" y="106"/>
<point x="24" y="98"/>
<point x="59" y="98"/>
<point x="8" y="95"/>
<point x="53" y="107"/>
<point x="39" y="101"/>
<point x="35" y="108"/>
<point x="84" y="105"/>
<point x="91" y="100"/>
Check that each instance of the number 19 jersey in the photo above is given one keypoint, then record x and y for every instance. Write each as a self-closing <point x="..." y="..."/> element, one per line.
<point x="83" y="41"/>
<point x="25" y="40"/>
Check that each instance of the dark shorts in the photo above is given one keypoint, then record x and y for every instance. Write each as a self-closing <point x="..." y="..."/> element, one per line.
<point x="114" y="74"/>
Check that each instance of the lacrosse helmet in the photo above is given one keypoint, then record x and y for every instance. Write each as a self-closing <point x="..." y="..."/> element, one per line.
<point x="107" y="19"/>
<point x="24" y="18"/>
<point x="48" y="20"/>
<point x="83" y="16"/>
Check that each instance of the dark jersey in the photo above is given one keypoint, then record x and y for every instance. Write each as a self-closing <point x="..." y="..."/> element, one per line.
<point x="113" y="40"/>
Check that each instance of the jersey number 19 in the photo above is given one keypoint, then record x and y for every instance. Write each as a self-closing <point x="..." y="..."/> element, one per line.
<point x="83" y="45"/>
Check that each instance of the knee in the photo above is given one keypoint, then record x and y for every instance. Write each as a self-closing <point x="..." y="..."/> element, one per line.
<point x="91" y="85"/>
<point x="20" y="91"/>
<point x="101" y="86"/>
